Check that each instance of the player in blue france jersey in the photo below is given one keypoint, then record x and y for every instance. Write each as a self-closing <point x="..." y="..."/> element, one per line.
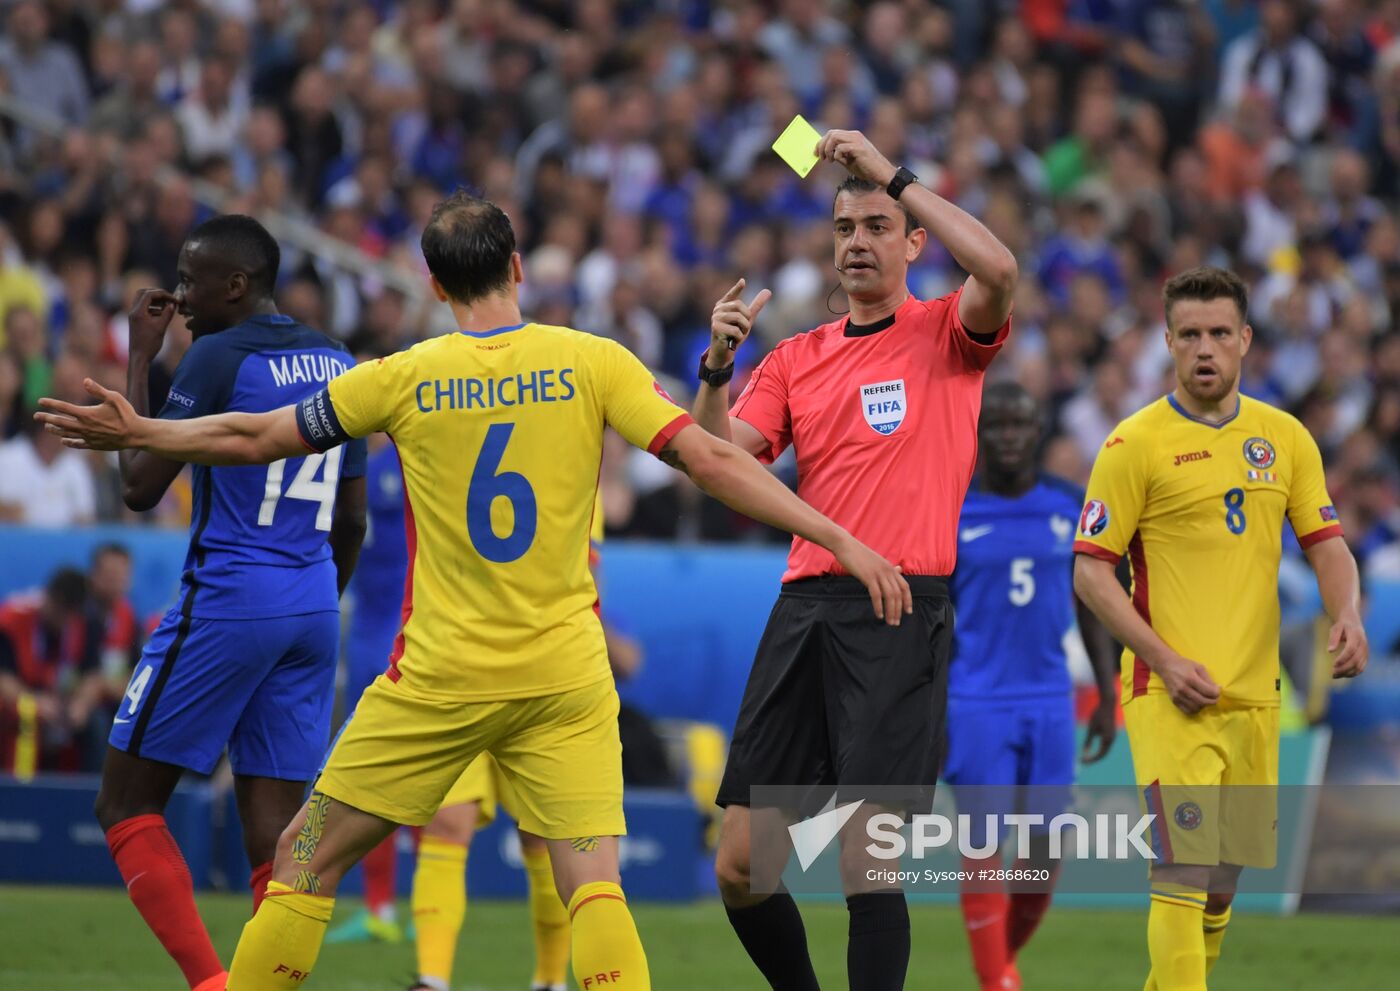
<point x="1010" y="697"/>
<point x="246" y="656"/>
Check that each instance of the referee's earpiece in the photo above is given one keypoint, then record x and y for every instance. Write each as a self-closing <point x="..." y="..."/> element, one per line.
<point x="841" y="313"/>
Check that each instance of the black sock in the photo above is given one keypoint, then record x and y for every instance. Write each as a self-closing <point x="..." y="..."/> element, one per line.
<point x="772" y="933"/>
<point x="877" y="956"/>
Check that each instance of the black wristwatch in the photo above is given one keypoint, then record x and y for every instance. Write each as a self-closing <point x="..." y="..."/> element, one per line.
<point x="902" y="177"/>
<point x="715" y="377"/>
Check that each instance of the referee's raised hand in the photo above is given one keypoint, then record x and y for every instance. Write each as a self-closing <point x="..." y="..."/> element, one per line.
<point x="854" y="151"/>
<point x="730" y="323"/>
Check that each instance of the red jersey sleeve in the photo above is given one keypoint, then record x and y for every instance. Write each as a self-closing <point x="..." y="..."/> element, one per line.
<point x="975" y="356"/>
<point x="764" y="403"/>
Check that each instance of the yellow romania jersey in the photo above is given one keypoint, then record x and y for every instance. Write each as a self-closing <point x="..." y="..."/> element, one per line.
<point x="1199" y="509"/>
<point x="500" y="435"/>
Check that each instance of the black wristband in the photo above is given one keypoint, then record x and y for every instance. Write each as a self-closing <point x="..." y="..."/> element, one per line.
<point x="902" y="178"/>
<point x="715" y="377"/>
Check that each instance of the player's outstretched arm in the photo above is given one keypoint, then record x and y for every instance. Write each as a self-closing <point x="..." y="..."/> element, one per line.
<point x="222" y="439"/>
<point x="1188" y="683"/>
<point x="1340" y="585"/>
<point x="990" y="266"/>
<point x="734" y="478"/>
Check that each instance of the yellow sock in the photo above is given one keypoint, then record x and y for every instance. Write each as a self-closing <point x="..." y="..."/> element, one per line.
<point x="439" y="905"/>
<point x="1176" y="941"/>
<point x="550" y="919"/>
<point x="1214" y="929"/>
<point x="280" y="944"/>
<point x="1213" y="926"/>
<point x="607" y="951"/>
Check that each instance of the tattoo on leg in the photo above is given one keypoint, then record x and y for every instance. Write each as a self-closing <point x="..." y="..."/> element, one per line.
<point x="307" y="883"/>
<point x="304" y="846"/>
<point x="584" y="844"/>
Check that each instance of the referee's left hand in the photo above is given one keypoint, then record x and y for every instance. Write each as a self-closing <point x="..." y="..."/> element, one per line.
<point x="889" y="592"/>
<point x="854" y="150"/>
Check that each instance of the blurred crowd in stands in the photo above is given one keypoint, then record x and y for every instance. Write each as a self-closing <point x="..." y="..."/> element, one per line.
<point x="1108" y="142"/>
<point x="66" y="652"/>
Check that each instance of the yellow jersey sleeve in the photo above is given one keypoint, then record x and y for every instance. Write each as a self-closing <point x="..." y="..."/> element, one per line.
<point x="634" y="404"/>
<point x="359" y="398"/>
<point x="1115" y="497"/>
<point x="1310" y="508"/>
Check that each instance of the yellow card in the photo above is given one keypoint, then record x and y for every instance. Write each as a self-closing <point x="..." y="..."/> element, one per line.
<point x="797" y="145"/>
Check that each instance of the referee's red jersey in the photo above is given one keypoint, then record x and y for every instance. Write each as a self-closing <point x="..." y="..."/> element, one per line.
<point x="884" y="423"/>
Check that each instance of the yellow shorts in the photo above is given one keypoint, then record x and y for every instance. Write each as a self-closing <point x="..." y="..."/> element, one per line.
<point x="1210" y="779"/>
<point x="483" y="783"/>
<point x="400" y="756"/>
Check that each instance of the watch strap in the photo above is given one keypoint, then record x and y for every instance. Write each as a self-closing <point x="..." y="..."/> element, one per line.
<point x="714" y="377"/>
<point x="902" y="178"/>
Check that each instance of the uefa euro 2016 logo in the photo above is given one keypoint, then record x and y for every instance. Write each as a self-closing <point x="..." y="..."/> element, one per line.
<point x="1259" y="453"/>
<point x="1094" y="518"/>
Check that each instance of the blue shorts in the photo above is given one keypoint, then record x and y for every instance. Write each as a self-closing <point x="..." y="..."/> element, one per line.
<point x="368" y="643"/>
<point x="262" y="687"/>
<point x="1010" y="756"/>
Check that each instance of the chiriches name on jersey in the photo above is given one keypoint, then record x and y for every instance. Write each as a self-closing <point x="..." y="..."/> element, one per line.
<point x="548" y="385"/>
<point x="288" y="369"/>
<point x="884" y="404"/>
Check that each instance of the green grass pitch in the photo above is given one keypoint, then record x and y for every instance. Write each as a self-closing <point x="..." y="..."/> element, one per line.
<point x="75" y="939"/>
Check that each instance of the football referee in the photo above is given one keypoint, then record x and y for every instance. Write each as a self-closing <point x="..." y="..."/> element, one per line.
<point x="881" y="408"/>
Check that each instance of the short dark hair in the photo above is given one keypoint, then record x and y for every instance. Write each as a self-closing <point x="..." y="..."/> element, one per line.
<point x="468" y="244"/>
<point x="67" y="588"/>
<point x="1205" y="284"/>
<point x="855" y="184"/>
<point x="110" y="547"/>
<point x="1005" y="391"/>
<point x="245" y="244"/>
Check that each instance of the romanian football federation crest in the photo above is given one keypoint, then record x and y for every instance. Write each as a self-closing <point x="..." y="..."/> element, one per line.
<point x="884" y="404"/>
<point x="1259" y="453"/>
<point x="1188" y="815"/>
<point x="1094" y="518"/>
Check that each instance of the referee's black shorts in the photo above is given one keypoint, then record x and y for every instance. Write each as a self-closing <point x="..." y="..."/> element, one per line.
<point x="838" y="698"/>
